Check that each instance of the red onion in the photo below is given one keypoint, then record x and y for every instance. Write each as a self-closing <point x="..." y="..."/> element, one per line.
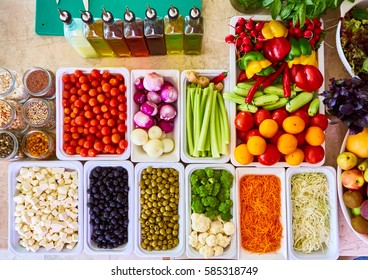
<point x="149" y="108"/>
<point x="169" y="94"/>
<point x="166" y="126"/>
<point x="153" y="81"/>
<point x="139" y="97"/>
<point x="139" y="84"/>
<point x="142" y="120"/>
<point x="154" y="97"/>
<point x="167" y="112"/>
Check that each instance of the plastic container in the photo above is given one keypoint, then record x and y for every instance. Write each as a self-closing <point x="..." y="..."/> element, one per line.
<point x="90" y="246"/>
<point x="340" y="191"/>
<point x="13" y="240"/>
<point x="234" y="70"/>
<point x="183" y="84"/>
<point x="60" y="153"/>
<point x="40" y="113"/>
<point x="180" y="248"/>
<point x="38" y="144"/>
<point x="281" y="254"/>
<point x="330" y="252"/>
<point x="345" y="7"/>
<point x="137" y="152"/>
<point x="231" y="251"/>
<point x="39" y="82"/>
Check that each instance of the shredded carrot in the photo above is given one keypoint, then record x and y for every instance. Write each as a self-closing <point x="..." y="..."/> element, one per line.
<point x="260" y="213"/>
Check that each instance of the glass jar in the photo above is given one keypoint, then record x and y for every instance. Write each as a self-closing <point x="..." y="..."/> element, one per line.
<point x="39" y="112"/>
<point x="247" y="6"/>
<point x="11" y="117"/>
<point x="9" y="146"/>
<point x="39" y="82"/>
<point x="38" y="144"/>
<point x="10" y="88"/>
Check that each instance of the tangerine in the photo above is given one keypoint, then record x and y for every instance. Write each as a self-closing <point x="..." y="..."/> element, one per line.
<point x="295" y="158"/>
<point x="314" y="136"/>
<point x="256" y="145"/>
<point x="268" y="128"/>
<point x="287" y="143"/>
<point x="293" y="124"/>
<point x="242" y="154"/>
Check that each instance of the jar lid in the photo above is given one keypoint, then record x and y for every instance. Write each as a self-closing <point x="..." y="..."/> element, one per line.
<point x="129" y="16"/>
<point x="65" y="16"/>
<point x="107" y="17"/>
<point x="194" y="13"/>
<point x="151" y="13"/>
<point x="173" y="12"/>
<point x="86" y="17"/>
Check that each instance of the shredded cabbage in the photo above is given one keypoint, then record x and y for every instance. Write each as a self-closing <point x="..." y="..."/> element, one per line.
<point x="310" y="211"/>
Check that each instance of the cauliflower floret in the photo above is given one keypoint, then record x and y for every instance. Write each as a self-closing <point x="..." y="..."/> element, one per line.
<point x="200" y="222"/>
<point x="199" y="246"/>
<point x="211" y="240"/>
<point x="218" y="250"/>
<point x="216" y="227"/>
<point x="193" y="239"/>
<point x="223" y="240"/>
<point x="229" y="228"/>
<point x="207" y="251"/>
<point x="202" y="238"/>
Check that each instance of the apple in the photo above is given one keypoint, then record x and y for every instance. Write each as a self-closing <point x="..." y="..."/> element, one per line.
<point x="346" y="160"/>
<point x="366" y="175"/>
<point x="352" y="179"/>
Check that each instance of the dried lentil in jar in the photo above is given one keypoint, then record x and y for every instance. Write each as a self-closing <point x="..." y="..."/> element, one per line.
<point x="11" y="116"/>
<point x="38" y="144"/>
<point x="159" y="213"/>
<point x="10" y="87"/>
<point x="39" y="82"/>
<point x="9" y="146"/>
<point x="39" y="112"/>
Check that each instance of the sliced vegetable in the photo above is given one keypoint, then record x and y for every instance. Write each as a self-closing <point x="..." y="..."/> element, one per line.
<point x="169" y="145"/>
<point x="139" y="136"/>
<point x="154" y="148"/>
<point x="155" y="132"/>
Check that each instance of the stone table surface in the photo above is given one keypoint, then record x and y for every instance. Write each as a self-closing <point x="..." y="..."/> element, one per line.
<point x="21" y="48"/>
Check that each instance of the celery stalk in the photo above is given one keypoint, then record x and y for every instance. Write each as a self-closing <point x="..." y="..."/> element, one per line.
<point x="225" y="120"/>
<point x="206" y="119"/>
<point x="189" y="120"/>
<point x="196" y="120"/>
<point x="214" y="129"/>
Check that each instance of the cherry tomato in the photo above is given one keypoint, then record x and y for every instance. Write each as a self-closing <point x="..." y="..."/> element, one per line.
<point x="83" y="152"/>
<point x="123" y="144"/>
<point x="279" y="115"/>
<point x="270" y="156"/>
<point x="98" y="146"/>
<point x="66" y="78"/>
<point x="300" y="137"/>
<point x="78" y="73"/>
<point x="313" y="154"/>
<point x="114" y="82"/>
<point x="319" y="120"/>
<point x="92" y="152"/>
<point x="95" y="74"/>
<point x="241" y="135"/>
<point x="261" y="115"/>
<point x="122" y="88"/>
<point x="83" y="79"/>
<point x="303" y="115"/>
<point x="273" y="139"/>
<point x="252" y="132"/>
<point x="244" y="121"/>
<point x="70" y="150"/>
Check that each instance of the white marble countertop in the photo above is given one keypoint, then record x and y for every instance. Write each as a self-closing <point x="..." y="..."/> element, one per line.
<point x="20" y="48"/>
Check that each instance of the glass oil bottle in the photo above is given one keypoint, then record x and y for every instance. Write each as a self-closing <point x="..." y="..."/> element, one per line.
<point x="174" y="31"/>
<point x="154" y="32"/>
<point x="193" y="32"/>
<point x="73" y="32"/>
<point x="134" y="34"/>
<point x="93" y="31"/>
<point x="114" y="34"/>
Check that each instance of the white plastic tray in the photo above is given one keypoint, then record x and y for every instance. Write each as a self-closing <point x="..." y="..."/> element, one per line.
<point x="137" y="152"/>
<point x="179" y="249"/>
<point x="13" y="236"/>
<point x="332" y="251"/>
<point x="235" y="72"/>
<point x="281" y="254"/>
<point x="230" y="252"/>
<point x="90" y="246"/>
<point x="60" y="115"/>
<point x="340" y="191"/>
<point x="183" y="86"/>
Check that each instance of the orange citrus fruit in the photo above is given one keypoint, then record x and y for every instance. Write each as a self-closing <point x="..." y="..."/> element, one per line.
<point x="295" y="158"/>
<point x="293" y="124"/>
<point x="256" y="145"/>
<point x="242" y="154"/>
<point x="314" y="136"/>
<point x="268" y="128"/>
<point x="287" y="143"/>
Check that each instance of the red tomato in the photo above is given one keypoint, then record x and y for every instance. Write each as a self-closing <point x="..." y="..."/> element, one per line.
<point x="302" y="114"/>
<point x="319" y="120"/>
<point x="273" y="139"/>
<point x="270" y="156"/>
<point x="300" y="137"/>
<point x="241" y="135"/>
<point x="261" y="115"/>
<point x="244" y="121"/>
<point x="313" y="154"/>
<point x="279" y="115"/>
<point x="252" y="132"/>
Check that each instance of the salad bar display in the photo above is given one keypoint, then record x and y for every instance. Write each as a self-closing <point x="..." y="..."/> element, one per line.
<point x="198" y="164"/>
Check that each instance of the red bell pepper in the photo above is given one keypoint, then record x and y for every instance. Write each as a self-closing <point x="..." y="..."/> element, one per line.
<point x="276" y="49"/>
<point x="286" y="82"/>
<point x="307" y="77"/>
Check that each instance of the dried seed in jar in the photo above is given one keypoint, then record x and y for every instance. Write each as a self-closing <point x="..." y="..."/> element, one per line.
<point x="5" y="113"/>
<point x="37" y="81"/>
<point x="5" y="82"/>
<point x="37" y="144"/>
<point x="6" y="145"/>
